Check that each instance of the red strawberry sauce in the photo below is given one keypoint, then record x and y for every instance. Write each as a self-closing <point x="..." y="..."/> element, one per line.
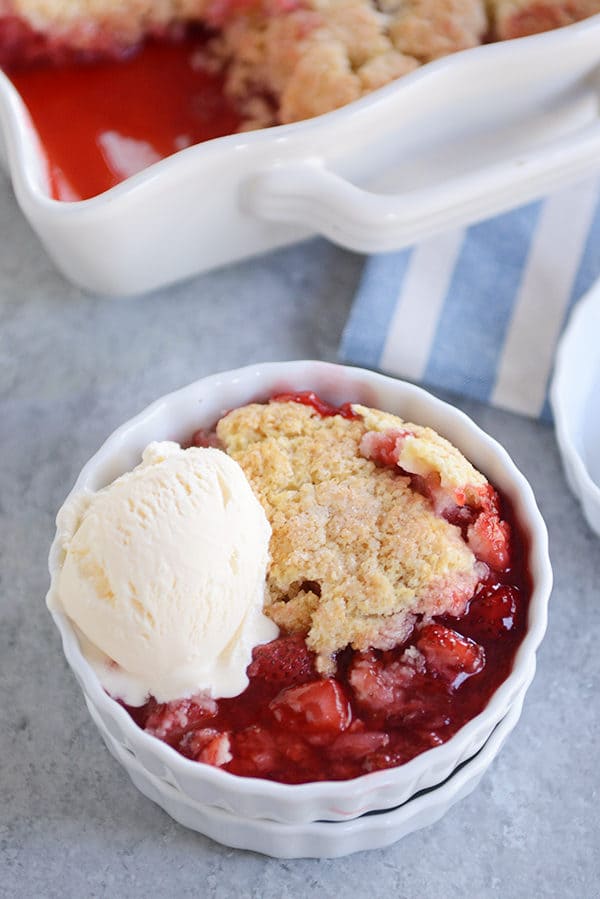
<point x="381" y="709"/>
<point x="309" y="398"/>
<point x="101" y="122"/>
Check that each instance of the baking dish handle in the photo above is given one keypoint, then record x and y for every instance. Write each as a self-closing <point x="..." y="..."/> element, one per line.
<point x="307" y="193"/>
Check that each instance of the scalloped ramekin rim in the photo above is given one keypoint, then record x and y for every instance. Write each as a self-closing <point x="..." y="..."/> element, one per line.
<point x="20" y="123"/>
<point x="560" y="398"/>
<point x="539" y="568"/>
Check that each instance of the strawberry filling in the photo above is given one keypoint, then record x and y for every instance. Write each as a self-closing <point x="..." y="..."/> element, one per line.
<point x="381" y="709"/>
<point x="309" y="398"/>
<point x="284" y="662"/>
<point x="450" y="655"/>
<point x="172" y="720"/>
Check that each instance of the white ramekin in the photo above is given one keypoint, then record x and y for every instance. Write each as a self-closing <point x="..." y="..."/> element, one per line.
<point x="458" y="140"/>
<point x="575" y="398"/>
<point x="175" y="417"/>
<point x="322" y="839"/>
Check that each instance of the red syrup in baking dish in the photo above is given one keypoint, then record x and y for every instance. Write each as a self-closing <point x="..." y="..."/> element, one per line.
<point x="100" y="122"/>
<point x="382" y="708"/>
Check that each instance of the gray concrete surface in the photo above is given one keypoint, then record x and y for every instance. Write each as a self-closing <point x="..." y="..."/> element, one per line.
<point x="72" y="367"/>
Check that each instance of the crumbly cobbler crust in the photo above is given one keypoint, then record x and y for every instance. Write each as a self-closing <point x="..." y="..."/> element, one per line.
<point x="519" y="18"/>
<point x="99" y="26"/>
<point x="425" y="452"/>
<point x="288" y="60"/>
<point x="356" y="552"/>
<point x="319" y="55"/>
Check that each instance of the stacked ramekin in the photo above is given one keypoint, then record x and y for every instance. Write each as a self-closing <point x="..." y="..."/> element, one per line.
<point x="326" y="818"/>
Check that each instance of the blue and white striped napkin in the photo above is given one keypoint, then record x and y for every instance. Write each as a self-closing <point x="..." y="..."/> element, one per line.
<point x="478" y="311"/>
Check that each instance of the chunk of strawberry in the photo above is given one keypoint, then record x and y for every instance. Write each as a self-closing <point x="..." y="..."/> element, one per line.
<point x="385" y="758"/>
<point x="204" y="438"/>
<point x="493" y="611"/>
<point x="358" y="745"/>
<point x="449" y="654"/>
<point x="170" y="720"/>
<point x="258" y="751"/>
<point x="461" y="516"/>
<point x="382" y="447"/>
<point x="319" y="707"/>
<point x="217" y="751"/>
<point x="294" y="749"/>
<point x="381" y="687"/>
<point x="284" y="661"/>
<point x="489" y="539"/>
<point x="207" y="745"/>
<point x="255" y="752"/>
<point x="194" y="741"/>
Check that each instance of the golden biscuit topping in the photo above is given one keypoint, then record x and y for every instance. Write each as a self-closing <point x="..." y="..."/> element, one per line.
<point x="422" y="451"/>
<point x="356" y="552"/>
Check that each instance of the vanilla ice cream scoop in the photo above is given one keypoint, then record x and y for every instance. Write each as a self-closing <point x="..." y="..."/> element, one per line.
<point x="163" y="573"/>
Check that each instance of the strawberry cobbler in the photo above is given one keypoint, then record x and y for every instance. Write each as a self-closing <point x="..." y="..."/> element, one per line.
<point x="397" y="579"/>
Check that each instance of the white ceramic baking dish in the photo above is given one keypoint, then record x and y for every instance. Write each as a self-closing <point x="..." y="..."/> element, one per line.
<point x="176" y="417"/>
<point x="456" y="141"/>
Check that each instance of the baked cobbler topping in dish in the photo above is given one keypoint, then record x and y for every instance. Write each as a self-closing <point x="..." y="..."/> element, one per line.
<point x="262" y="62"/>
<point x="357" y="552"/>
<point x="397" y="578"/>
